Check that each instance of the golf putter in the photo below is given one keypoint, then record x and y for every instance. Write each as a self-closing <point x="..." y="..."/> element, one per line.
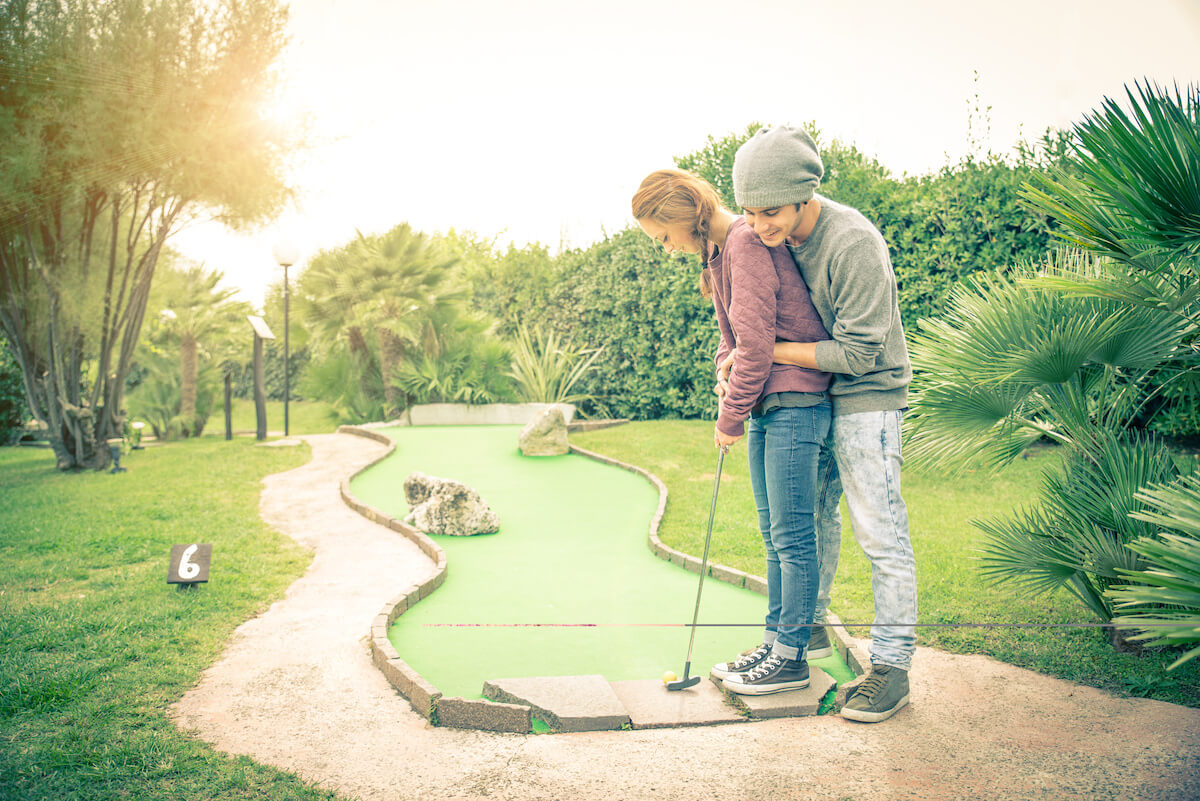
<point x="686" y="682"/>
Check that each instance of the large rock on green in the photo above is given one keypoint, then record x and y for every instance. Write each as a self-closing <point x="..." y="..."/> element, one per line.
<point x="546" y="434"/>
<point x="442" y="506"/>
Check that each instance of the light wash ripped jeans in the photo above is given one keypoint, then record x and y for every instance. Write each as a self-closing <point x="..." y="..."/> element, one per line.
<point x="862" y="459"/>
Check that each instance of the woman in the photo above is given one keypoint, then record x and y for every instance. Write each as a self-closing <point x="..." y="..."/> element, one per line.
<point x="759" y="298"/>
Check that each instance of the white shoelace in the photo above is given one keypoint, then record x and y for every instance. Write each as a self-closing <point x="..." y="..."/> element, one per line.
<point x="749" y="658"/>
<point x="769" y="664"/>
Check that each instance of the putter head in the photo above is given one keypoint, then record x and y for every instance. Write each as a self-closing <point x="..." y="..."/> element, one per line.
<point x="683" y="683"/>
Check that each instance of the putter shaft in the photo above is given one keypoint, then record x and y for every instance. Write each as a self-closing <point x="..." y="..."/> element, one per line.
<point x="712" y="511"/>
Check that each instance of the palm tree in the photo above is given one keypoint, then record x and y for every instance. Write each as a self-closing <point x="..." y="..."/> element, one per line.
<point x="201" y="318"/>
<point x="375" y="297"/>
<point x="462" y="361"/>
<point x="1075" y="349"/>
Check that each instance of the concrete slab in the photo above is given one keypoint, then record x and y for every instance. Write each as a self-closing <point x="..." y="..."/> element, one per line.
<point x="652" y="706"/>
<point x="472" y="713"/>
<point x="793" y="704"/>
<point x="566" y="703"/>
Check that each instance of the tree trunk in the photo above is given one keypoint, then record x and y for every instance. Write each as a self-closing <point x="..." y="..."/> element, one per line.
<point x="1120" y="640"/>
<point x="359" y="349"/>
<point x="187" y="383"/>
<point x="391" y="356"/>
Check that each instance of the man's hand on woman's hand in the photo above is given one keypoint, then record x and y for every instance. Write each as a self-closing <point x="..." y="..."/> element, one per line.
<point x="723" y="371"/>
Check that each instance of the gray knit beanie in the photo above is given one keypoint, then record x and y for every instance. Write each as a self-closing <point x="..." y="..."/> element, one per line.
<point x="776" y="167"/>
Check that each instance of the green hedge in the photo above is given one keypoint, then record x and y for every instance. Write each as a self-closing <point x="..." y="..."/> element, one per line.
<point x="645" y="309"/>
<point x="624" y="294"/>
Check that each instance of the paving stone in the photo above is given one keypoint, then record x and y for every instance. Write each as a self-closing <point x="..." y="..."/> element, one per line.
<point x="793" y="704"/>
<point x="652" y="706"/>
<point x="566" y="703"/>
<point x="729" y="575"/>
<point x="421" y="694"/>
<point x="473" y="713"/>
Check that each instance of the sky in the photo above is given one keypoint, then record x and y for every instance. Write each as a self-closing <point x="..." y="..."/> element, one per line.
<point x="535" y="120"/>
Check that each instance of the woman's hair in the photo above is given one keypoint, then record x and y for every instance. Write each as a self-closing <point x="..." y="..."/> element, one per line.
<point x="674" y="197"/>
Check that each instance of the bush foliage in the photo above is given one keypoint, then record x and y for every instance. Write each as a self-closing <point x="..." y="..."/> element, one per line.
<point x="12" y="396"/>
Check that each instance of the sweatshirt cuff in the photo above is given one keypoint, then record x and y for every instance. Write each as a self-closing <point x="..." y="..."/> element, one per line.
<point x="830" y="357"/>
<point x="732" y="428"/>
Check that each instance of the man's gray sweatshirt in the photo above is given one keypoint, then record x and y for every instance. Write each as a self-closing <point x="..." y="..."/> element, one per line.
<point x="845" y="263"/>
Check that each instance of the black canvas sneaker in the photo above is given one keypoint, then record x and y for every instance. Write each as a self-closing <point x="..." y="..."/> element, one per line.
<point x="773" y="675"/>
<point x="745" y="661"/>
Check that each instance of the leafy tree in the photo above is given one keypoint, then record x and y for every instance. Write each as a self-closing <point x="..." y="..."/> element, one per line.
<point x="118" y="121"/>
<point x="507" y="285"/>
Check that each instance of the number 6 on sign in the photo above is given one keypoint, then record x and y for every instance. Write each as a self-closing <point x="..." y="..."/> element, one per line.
<point x="189" y="563"/>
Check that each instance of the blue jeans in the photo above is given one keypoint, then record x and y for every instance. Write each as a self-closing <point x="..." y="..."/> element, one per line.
<point x="783" y="446"/>
<point x="862" y="459"/>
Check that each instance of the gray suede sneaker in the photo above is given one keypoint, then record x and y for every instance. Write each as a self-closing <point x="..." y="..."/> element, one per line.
<point x="819" y="645"/>
<point x="884" y="691"/>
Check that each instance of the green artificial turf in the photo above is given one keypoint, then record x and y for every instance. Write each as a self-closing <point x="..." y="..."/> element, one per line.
<point x="568" y="586"/>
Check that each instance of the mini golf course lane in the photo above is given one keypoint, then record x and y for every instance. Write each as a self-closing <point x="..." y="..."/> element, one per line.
<point x="567" y="587"/>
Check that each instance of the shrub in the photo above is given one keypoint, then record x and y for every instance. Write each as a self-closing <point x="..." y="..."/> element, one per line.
<point x="12" y="396"/>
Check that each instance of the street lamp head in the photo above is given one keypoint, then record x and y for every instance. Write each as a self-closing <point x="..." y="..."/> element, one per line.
<point x="286" y="254"/>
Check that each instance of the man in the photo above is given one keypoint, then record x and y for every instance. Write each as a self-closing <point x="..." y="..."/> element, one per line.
<point x="844" y="261"/>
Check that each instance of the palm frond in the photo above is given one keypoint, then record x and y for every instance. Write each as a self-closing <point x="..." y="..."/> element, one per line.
<point x="1029" y="549"/>
<point x="1101" y="483"/>
<point x="1163" y="597"/>
<point x="1137" y="194"/>
<point x="547" y="371"/>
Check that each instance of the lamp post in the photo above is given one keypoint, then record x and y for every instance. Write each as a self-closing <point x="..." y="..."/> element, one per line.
<point x="286" y="254"/>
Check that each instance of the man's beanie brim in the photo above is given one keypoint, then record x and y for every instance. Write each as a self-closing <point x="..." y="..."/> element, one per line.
<point x="776" y="167"/>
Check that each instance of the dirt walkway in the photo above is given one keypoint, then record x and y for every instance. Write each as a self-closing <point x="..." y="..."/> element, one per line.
<point x="296" y="689"/>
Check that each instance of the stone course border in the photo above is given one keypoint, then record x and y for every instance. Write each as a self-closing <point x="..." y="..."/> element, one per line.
<point x="487" y="715"/>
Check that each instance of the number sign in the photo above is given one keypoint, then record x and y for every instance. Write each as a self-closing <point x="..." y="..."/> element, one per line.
<point x="189" y="563"/>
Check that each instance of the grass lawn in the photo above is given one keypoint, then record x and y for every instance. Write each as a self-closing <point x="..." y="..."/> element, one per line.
<point x="950" y="589"/>
<point x="94" y="645"/>
<point x="304" y="417"/>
